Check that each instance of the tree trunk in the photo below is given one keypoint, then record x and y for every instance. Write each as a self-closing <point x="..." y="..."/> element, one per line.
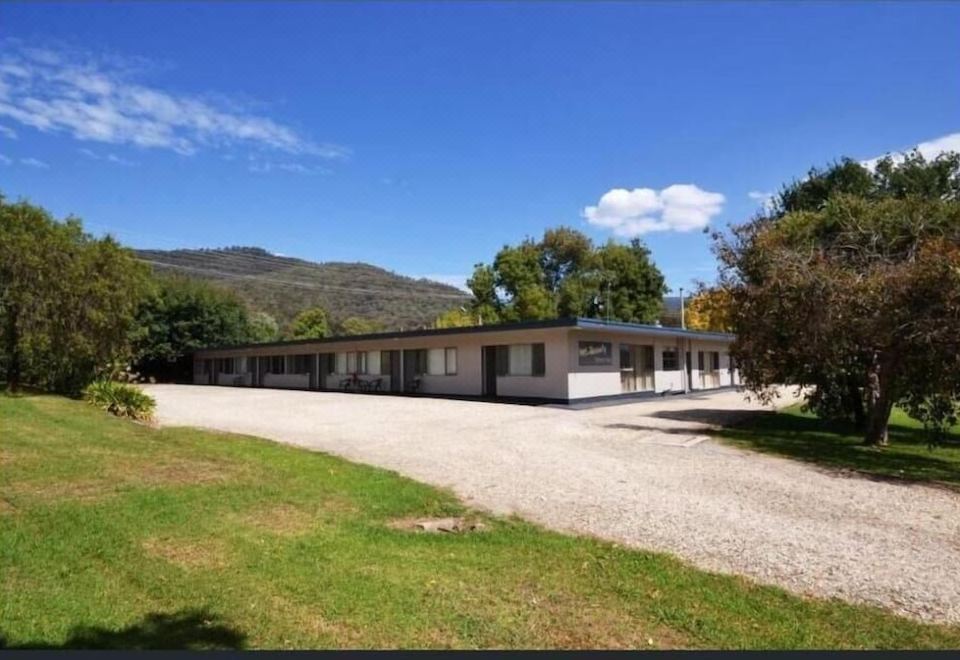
<point x="880" y="404"/>
<point x="878" y="421"/>
<point x="855" y="404"/>
<point x="11" y="347"/>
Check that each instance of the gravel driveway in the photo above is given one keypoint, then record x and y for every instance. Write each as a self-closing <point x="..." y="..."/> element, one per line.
<point x="642" y="474"/>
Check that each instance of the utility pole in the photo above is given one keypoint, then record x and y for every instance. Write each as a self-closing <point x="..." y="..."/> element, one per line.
<point x="683" y="321"/>
<point x="609" y="299"/>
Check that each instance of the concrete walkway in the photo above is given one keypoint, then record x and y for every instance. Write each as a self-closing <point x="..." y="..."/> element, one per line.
<point x="643" y="474"/>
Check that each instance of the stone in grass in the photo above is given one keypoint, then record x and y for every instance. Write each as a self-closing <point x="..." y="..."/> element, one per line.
<point x="440" y="525"/>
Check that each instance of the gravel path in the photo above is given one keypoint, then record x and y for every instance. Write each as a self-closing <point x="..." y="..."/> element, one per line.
<point x="642" y="474"/>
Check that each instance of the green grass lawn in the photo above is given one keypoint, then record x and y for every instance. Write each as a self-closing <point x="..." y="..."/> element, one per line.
<point x="800" y="435"/>
<point x="114" y="534"/>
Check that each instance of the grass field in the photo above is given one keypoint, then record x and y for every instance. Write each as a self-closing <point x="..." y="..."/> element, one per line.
<point x="802" y="436"/>
<point x="114" y="534"/>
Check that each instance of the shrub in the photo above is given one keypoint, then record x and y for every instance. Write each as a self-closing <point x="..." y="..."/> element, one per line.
<point x="120" y="399"/>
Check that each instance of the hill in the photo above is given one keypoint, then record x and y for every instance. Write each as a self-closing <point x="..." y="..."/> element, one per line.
<point x="283" y="286"/>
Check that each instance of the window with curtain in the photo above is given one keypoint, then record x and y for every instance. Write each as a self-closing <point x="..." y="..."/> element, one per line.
<point x="520" y="360"/>
<point x="373" y="363"/>
<point x="451" y="361"/>
<point x="435" y="362"/>
<point x="341" y="363"/>
<point x="351" y="362"/>
<point x="362" y="362"/>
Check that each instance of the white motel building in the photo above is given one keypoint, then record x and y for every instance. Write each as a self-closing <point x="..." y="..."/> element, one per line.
<point x="553" y="361"/>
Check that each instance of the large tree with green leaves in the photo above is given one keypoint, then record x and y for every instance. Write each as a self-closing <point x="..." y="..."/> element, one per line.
<point x="564" y="274"/>
<point x="67" y="300"/>
<point x="850" y="287"/>
<point x="310" y="324"/>
<point x="181" y="315"/>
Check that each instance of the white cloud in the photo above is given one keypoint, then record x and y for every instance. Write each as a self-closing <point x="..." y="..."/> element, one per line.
<point x="681" y="207"/>
<point x="94" y="99"/>
<point x="109" y="157"/>
<point x="764" y="199"/>
<point x="34" y="162"/>
<point x="265" y="167"/>
<point x="929" y="149"/>
<point x="7" y="132"/>
<point x="5" y="160"/>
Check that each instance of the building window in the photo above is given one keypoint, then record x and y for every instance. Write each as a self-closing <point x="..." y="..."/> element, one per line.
<point x="671" y="359"/>
<point x="595" y="353"/>
<point x="520" y="360"/>
<point x="277" y="364"/>
<point x="435" y="362"/>
<point x="342" y="363"/>
<point x="301" y="364"/>
<point x="351" y="362"/>
<point x="226" y="365"/>
<point x="441" y="361"/>
<point x="373" y="363"/>
<point x="524" y="360"/>
<point x="715" y="361"/>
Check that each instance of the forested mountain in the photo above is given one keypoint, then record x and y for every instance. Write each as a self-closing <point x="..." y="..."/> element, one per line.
<point x="284" y="286"/>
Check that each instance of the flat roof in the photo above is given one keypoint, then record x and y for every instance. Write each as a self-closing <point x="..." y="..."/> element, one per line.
<point x="580" y="323"/>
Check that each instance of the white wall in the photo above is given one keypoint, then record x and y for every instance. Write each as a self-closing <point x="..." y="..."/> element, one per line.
<point x="238" y="380"/>
<point x="604" y="380"/>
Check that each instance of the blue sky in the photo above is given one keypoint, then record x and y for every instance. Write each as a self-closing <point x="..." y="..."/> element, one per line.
<point x="422" y="137"/>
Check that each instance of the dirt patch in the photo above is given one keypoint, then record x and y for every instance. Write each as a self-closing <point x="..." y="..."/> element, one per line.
<point x="568" y="621"/>
<point x="283" y="520"/>
<point x="189" y="554"/>
<point x="126" y="476"/>
<point x="82" y="490"/>
<point x="179" y="473"/>
<point x="451" y="525"/>
<point x="6" y="509"/>
<point x="310" y="620"/>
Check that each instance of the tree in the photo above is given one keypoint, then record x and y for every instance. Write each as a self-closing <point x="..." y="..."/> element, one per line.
<point x="710" y="309"/>
<point x="181" y="316"/>
<point x="633" y="285"/>
<point x="310" y="324"/>
<point x="263" y="328"/>
<point x="354" y="325"/>
<point x="455" y="318"/>
<point x="850" y="287"/>
<point x="565" y="275"/>
<point x="67" y="300"/>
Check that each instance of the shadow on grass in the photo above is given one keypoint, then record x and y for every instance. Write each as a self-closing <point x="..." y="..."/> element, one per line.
<point x="839" y="446"/>
<point x="187" y="629"/>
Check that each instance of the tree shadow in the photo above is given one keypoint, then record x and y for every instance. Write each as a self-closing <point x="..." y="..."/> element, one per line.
<point x="187" y="629"/>
<point x="643" y="428"/>
<point x="713" y="416"/>
<point x="839" y="446"/>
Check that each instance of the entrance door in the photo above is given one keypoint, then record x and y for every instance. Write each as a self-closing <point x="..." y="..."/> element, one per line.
<point x="628" y="377"/>
<point x="390" y="364"/>
<point x="636" y="368"/>
<point x="412" y="360"/>
<point x="489" y="362"/>
<point x="326" y="368"/>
